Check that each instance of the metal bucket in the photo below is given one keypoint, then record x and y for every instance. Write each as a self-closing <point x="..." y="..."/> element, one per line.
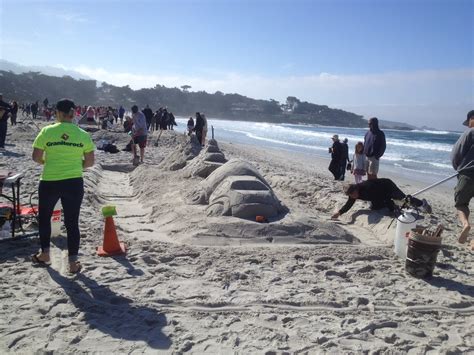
<point x="422" y="253"/>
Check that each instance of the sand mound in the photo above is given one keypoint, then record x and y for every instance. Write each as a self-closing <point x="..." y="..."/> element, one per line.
<point x="187" y="149"/>
<point x="208" y="160"/>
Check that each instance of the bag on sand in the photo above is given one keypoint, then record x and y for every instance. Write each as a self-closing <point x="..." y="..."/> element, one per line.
<point x="128" y="147"/>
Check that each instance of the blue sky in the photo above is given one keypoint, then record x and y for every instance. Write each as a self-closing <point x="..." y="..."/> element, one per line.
<point x="400" y="60"/>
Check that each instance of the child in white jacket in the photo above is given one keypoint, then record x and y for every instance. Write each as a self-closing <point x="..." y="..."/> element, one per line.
<point x="358" y="162"/>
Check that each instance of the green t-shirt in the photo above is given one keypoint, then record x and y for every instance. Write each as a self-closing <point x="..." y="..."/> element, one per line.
<point x="64" y="145"/>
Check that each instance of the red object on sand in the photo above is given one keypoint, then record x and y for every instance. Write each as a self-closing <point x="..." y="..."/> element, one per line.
<point x="111" y="245"/>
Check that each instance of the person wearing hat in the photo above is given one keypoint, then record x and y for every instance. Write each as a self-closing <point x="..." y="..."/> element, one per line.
<point x="336" y="156"/>
<point x="462" y="158"/>
<point x="65" y="150"/>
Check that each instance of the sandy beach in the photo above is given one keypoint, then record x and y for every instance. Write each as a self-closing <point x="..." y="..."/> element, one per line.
<point x="195" y="281"/>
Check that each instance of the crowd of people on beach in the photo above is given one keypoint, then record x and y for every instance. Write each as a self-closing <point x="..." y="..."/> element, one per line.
<point x="381" y="193"/>
<point x="65" y="158"/>
<point x="367" y="154"/>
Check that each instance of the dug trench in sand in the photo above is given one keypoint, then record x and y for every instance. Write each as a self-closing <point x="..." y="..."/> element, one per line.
<point x="197" y="279"/>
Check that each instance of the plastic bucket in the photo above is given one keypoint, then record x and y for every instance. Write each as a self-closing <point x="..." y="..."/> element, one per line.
<point x="56" y="222"/>
<point x="422" y="253"/>
<point x="405" y="223"/>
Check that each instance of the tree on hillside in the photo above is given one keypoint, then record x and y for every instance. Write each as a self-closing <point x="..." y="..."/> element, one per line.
<point x="292" y="102"/>
<point x="185" y="88"/>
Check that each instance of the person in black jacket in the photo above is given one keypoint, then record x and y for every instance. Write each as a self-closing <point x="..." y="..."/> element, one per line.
<point x="374" y="147"/>
<point x="147" y="111"/>
<point x="14" y="113"/>
<point x="344" y="158"/>
<point x="381" y="193"/>
<point x="199" y="127"/>
<point x="336" y="157"/>
<point x="5" y="110"/>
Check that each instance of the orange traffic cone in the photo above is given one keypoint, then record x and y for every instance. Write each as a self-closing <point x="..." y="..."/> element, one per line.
<point x="111" y="245"/>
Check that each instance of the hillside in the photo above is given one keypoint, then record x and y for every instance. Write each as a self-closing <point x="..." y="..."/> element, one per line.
<point x="32" y="86"/>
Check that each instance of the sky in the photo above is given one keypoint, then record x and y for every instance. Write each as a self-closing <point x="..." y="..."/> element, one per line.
<point x="408" y="61"/>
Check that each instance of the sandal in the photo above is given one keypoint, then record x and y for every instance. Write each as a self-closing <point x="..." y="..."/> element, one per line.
<point x="36" y="261"/>
<point x="77" y="267"/>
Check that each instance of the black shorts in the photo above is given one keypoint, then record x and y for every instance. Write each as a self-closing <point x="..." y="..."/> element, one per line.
<point x="464" y="191"/>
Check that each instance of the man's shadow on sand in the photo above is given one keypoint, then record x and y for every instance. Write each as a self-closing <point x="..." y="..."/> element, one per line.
<point x="113" y="314"/>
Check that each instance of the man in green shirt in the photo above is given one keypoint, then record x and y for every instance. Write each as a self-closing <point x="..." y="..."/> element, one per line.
<point x="65" y="150"/>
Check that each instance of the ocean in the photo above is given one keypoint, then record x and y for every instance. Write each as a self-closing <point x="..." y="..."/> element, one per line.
<point x="417" y="154"/>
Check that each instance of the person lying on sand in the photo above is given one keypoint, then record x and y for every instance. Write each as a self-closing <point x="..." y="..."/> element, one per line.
<point x="462" y="158"/>
<point x="381" y="193"/>
<point x="65" y="150"/>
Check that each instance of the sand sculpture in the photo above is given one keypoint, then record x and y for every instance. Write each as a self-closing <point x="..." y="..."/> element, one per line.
<point x="237" y="189"/>
<point x="210" y="159"/>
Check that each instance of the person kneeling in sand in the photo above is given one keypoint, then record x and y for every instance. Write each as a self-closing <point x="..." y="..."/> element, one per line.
<point x="65" y="150"/>
<point x="381" y="193"/>
<point x="462" y="158"/>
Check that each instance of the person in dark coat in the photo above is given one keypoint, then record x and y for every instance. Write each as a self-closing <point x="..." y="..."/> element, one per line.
<point x="336" y="157"/>
<point x="164" y="120"/>
<point x="14" y="113"/>
<point x="199" y="127"/>
<point x="172" y="121"/>
<point x="344" y="158"/>
<point x="121" y="113"/>
<point x="147" y="111"/>
<point x="381" y="193"/>
<point x="374" y="147"/>
<point x="190" y="125"/>
<point x="5" y="110"/>
<point x="34" y="109"/>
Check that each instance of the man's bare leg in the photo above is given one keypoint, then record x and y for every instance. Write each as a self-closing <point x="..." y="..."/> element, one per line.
<point x="142" y="154"/>
<point x="371" y="176"/>
<point x="134" y="149"/>
<point x="466" y="227"/>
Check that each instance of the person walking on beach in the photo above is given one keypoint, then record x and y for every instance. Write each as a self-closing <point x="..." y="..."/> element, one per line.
<point x="358" y="163"/>
<point x="139" y="133"/>
<point x="34" y="109"/>
<point x="121" y="113"/>
<point x="374" y="147"/>
<point x="65" y="150"/>
<point x="14" y="113"/>
<point x="381" y="193"/>
<point x="336" y="157"/>
<point x="5" y="109"/>
<point x="462" y="158"/>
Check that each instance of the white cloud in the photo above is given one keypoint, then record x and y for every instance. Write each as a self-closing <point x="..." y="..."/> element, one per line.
<point x="428" y="97"/>
<point x="66" y="17"/>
